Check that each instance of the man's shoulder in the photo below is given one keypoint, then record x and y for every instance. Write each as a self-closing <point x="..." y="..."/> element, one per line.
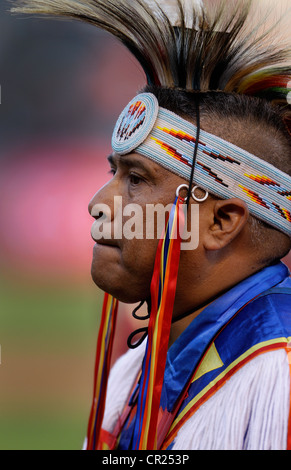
<point x="276" y="300"/>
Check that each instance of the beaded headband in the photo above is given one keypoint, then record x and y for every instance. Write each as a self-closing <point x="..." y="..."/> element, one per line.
<point x="221" y="168"/>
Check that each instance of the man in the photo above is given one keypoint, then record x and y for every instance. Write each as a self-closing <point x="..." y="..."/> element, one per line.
<point x="210" y="130"/>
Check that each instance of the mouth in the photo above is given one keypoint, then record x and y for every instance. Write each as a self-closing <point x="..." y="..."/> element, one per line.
<point x="107" y="243"/>
<point x="102" y="240"/>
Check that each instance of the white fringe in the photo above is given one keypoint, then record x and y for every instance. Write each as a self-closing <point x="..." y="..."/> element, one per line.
<point x="121" y="380"/>
<point x="249" y="412"/>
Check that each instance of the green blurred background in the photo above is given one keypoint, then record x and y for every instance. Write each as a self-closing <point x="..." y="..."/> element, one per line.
<point x="63" y="84"/>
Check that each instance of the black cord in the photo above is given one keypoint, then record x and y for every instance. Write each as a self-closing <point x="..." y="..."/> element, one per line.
<point x="144" y="330"/>
<point x="195" y="150"/>
<point x="131" y="344"/>
<point x="145" y="317"/>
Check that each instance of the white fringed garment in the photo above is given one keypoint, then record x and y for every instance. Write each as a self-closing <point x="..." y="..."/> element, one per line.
<point x="249" y="412"/>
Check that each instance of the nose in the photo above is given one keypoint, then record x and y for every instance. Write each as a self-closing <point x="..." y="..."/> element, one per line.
<point x="97" y="199"/>
<point x="102" y="203"/>
<point x="102" y="215"/>
<point x="99" y="210"/>
<point x="91" y="204"/>
<point x="105" y="208"/>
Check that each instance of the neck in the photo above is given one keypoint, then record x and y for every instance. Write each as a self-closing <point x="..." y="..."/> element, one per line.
<point x="180" y="324"/>
<point x="207" y="293"/>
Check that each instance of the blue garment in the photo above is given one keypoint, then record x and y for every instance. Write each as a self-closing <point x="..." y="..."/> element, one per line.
<point x="190" y="346"/>
<point x="256" y="310"/>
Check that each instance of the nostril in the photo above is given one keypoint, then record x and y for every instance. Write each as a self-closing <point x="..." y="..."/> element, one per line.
<point x="99" y="215"/>
<point x="96" y="211"/>
<point x="100" y="210"/>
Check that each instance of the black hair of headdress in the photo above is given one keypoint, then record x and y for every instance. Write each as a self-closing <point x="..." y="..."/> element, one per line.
<point x="218" y="48"/>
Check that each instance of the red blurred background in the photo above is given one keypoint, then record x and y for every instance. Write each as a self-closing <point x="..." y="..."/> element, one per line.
<point x="63" y="84"/>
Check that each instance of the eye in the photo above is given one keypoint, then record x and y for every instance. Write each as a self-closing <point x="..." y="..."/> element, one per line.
<point x="135" y="179"/>
<point x="112" y="171"/>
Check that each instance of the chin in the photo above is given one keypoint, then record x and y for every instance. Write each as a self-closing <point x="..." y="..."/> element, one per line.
<point x="125" y="292"/>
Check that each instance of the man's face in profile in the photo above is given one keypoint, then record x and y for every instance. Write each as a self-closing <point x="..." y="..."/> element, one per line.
<point x="123" y="265"/>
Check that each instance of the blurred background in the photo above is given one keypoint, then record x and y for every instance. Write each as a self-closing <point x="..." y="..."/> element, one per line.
<point x="63" y="84"/>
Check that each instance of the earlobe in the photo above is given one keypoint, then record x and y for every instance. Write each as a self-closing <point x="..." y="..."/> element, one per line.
<point x="230" y="217"/>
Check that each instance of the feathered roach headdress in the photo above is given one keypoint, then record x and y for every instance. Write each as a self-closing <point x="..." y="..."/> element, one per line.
<point x="181" y="45"/>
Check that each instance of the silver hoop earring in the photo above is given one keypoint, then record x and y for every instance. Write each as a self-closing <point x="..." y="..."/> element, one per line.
<point x="196" y="198"/>
<point x="182" y="186"/>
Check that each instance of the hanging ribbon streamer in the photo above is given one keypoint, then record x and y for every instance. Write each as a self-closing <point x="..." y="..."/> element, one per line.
<point x="102" y="367"/>
<point x="163" y="289"/>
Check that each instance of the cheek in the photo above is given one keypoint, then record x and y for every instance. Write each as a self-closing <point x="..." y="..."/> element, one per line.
<point x="138" y="257"/>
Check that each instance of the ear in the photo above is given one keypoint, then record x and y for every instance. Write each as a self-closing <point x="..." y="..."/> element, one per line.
<point x="229" y="218"/>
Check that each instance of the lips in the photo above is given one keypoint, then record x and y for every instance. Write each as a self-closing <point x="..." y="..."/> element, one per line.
<point x="109" y="243"/>
<point x="102" y="240"/>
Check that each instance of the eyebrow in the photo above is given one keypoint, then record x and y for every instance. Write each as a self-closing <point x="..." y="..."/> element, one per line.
<point x="128" y="161"/>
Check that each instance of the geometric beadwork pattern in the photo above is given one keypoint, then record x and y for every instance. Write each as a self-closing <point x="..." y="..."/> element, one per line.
<point x="135" y="123"/>
<point x="221" y="168"/>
